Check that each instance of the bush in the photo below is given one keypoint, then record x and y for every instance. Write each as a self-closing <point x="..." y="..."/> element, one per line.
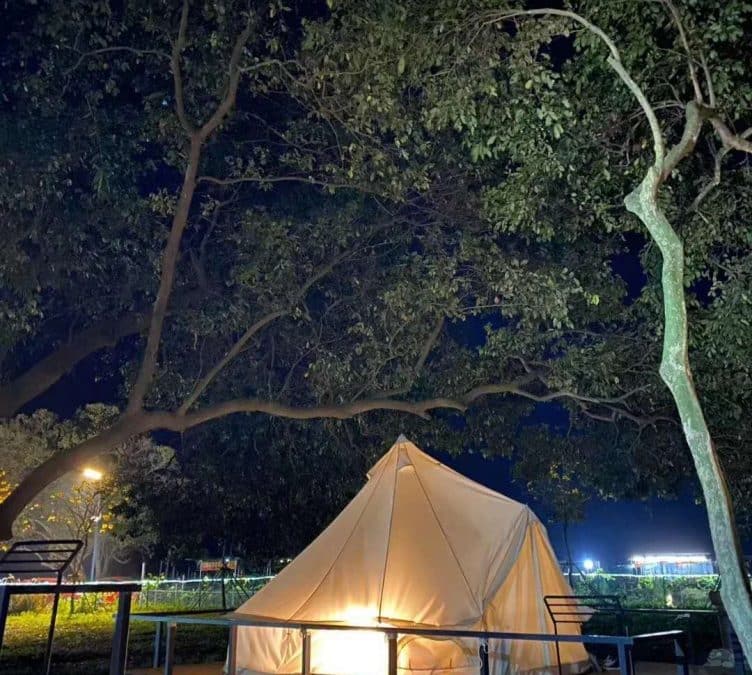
<point x="648" y="592"/>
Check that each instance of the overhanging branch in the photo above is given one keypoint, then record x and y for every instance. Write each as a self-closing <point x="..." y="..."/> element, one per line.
<point x="45" y="372"/>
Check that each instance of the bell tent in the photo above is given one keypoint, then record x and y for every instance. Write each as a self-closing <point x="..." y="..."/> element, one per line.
<point x="419" y="546"/>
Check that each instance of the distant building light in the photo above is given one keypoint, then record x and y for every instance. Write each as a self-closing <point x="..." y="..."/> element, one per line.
<point x="671" y="558"/>
<point x="588" y="565"/>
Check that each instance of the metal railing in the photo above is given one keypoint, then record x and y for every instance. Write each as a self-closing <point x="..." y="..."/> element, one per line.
<point x="624" y="644"/>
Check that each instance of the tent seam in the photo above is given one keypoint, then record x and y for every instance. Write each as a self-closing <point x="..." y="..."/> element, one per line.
<point x="446" y="539"/>
<point x="389" y="536"/>
<point x="344" y="546"/>
<point x="503" y="551"/>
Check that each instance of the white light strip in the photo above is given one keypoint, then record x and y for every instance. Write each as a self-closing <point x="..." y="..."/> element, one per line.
<point x="669" y="558"/>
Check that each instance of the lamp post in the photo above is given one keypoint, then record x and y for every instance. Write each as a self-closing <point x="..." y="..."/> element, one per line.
<point x="94" y="475"/>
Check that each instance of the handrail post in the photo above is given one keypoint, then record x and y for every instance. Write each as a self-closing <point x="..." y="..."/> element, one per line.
<point x="483" y="653"/>
<point x="172" y="629"/>
<point x="4" y="607"/>
<point x="391" y="638"/>
<point x="119" y="654"/>
<point x="157" y="645"/>
<point x="624" y="659"/>
<point x="682" y="662"/>
<point x="53" y="621"/>
<point x="305" y="652"/>
<point x="232" y="651"/>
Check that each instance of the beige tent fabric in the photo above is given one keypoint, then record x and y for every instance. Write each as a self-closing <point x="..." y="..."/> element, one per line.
<point x="420" y="545"/>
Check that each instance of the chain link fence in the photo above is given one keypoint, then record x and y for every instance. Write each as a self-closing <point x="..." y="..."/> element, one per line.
<point x="195" y="594"/>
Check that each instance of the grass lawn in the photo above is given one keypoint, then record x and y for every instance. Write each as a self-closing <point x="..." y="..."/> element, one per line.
<point x="82" y="643"/>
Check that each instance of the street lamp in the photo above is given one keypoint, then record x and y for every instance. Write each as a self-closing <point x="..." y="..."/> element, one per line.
<point x="94" y="475"/>
<point x="89" y="473"/>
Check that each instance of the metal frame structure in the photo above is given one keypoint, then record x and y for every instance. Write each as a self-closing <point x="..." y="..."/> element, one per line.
<point x="36" y="557"/>
<point x="623" y="643"/>
<point x="578" y="609"/>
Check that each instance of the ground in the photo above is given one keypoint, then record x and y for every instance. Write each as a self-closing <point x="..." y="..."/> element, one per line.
<point x="82" y="643"/>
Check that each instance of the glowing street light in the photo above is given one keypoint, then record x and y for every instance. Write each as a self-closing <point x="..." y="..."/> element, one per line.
<point x="90" y="473"/>
<point x="588" y="565"/>
<point x="94" y="475"/>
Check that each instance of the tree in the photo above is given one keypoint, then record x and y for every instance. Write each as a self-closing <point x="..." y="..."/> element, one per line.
<point x="551" y="479"/>
<point x="546" y="168"/>
<point x="675" y="368"/>
<point x="270" y="503"/>
<point x="387" y="207"/>
<point x="302" y="304"/>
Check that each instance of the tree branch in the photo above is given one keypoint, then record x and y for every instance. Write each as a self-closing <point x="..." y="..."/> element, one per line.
<point x="614" y="60"/>
<point x="685" y="43"/>
<point x="167" y="276"/>
<point x="716" y="180"/>
<point x="177" y="49"/>
<point x="269" y="180"/>
<point x="730" y="139"/>
<point x="180" y="219"/>
<point x="241" y="342"/>
<point x="694" y="116"/>
<point x="708" y="80"/>
<point x="428" y="346"/>
<point x="420" y="408"/>
<point x="43" y="374"/>
<point x="425" y="352"/>
<point x="110" y="50"/>
<point x="205" y="381"/>
<point x="223" y="109"/>
<point x="141" y="422"/>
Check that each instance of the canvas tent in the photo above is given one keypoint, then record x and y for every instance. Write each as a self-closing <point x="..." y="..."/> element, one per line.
<point x="422" y="546"/>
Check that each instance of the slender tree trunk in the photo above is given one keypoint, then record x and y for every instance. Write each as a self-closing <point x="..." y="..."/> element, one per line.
<point x="676" y="373"/>
<point x="570" y="563"/>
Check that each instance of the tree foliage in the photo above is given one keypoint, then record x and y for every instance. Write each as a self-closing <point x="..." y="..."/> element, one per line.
<point x="405" y="207"/>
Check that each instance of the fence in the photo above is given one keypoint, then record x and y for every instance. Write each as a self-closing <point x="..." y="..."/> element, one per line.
<point x="198" y="594"/>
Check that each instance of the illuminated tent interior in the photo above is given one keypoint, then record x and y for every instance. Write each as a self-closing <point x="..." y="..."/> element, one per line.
<point x="421" y="546"/>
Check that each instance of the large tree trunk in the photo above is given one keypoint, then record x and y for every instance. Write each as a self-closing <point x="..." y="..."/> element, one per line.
<point x="61" y="463"/>
<point x="676" y="373"/>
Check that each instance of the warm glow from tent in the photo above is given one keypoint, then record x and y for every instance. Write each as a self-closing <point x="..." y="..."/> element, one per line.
<point x="352" y="652"/>
<point x="360" y="616"/>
